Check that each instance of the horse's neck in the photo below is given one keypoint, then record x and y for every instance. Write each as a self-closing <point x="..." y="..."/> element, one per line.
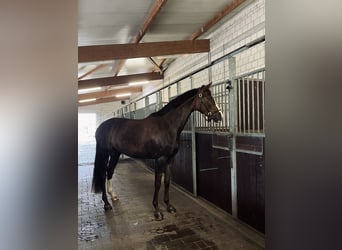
<point x="178" y="116"/>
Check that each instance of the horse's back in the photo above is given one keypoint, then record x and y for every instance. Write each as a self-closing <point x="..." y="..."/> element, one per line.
<point x="117" y="129"/>
<point x="106" y="129"/>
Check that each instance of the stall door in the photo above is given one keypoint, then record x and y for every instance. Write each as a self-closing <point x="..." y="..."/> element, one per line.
<point x="182" y="167"/>
<point x="213" y="171"/>
<point x="250" y="190"/>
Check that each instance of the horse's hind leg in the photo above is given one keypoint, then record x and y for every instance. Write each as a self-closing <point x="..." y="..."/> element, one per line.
<point x="167" y="180"/>
<point x="99" y="176"/>
<point x="114" y="158"/>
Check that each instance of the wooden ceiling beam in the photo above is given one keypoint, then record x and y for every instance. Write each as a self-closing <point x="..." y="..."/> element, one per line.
<point x="156" y="66"/>
<point x="117" y="80"/>
<point x="110" y="93"/>
<point x="215" y="19"/>
<point x="156" y="7"/>
<point x="125" y="51"/>
<point x="91" y="71"/>
<point x="103" y="100"/>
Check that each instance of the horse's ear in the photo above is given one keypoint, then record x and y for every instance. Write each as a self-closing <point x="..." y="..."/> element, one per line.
<point x="203" y="87"/>
<point x="207" y="86"/>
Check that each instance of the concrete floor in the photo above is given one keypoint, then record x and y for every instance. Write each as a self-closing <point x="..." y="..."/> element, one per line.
<point x="131" y="224"/>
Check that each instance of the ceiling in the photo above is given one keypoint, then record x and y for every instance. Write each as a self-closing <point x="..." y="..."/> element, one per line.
<point x="126" y="41"/>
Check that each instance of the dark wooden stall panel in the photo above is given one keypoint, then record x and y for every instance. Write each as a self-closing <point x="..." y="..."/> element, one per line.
<point x="213" y="171"/>
<point x="182" y="167"/>
<point x="251" y="190"/>
<point x="249" y="143"/>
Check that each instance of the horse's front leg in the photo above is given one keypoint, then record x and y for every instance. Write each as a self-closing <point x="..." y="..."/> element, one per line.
<point x="157" y="183"/>
<point x="167" y="181"/>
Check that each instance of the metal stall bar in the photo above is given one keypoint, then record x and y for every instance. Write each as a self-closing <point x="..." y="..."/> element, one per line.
<point x="243" y="106"/>
<point x="238" y="91"/>
<point x="129" y="111"/>
<point x="232" y="129"/>
<point x="193" y="144"/>
<point x="253" y="108"/>
<point x="248" y="104"/>
<point x="218" y="99"/>
<point x="258" y="107"/>
<point x="263" y="100"/>
<point x="134" y="109"/>
<point x="225" y="103"/>
<point x="214" y="125"/>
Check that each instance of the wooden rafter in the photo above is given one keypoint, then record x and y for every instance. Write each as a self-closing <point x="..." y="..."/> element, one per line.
<point x="124" y="51"/>
<point x="156" y="7"/>
<point x="215" y="19"/>
<point x="118" y="80"/>
<point x="109" y="93"/>
<point x="156" y="66"/>
<point x="91" y="71"/>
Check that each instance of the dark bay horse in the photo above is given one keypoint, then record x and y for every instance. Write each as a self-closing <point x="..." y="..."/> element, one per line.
<point x="154" y="137"/>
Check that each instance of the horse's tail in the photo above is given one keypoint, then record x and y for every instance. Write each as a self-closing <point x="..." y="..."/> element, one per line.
<point x="100" y="166"/>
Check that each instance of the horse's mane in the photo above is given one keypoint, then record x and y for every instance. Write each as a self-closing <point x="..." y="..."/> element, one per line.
<point x="176" y="102"/>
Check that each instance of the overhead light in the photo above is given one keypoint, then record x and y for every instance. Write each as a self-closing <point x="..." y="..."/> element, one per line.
<point x="87" y="100"/>
<point x="122" y="95"/>
<point x="137" y="83"/>
<point x="82" y="91"/>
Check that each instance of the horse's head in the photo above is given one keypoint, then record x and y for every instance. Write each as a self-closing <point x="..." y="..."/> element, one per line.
<point x="205" y="104"/>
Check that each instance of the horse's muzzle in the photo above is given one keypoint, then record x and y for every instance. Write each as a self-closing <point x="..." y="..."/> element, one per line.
<point x="216" y="116"/>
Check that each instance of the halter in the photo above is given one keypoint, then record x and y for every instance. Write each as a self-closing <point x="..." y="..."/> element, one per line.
<point x="208" y="115"/>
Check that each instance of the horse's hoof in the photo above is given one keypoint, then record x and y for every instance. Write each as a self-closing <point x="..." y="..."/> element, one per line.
<point x="158" y="216"/>
<point x="115" y="198"/>
<point x="107" y="207"/>
<point x="171" y="209"/>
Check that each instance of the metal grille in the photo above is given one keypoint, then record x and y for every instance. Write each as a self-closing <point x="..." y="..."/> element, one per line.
<point x="249" y="106"/>
<point x="250" y="102"/>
